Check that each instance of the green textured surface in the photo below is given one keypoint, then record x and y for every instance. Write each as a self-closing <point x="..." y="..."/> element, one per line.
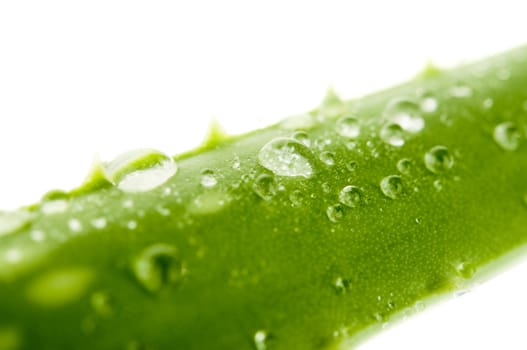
<point x="185" y="266"/>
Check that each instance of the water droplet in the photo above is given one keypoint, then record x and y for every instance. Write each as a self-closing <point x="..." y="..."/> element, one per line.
<point x="404" y="166"/>
<point x="429" y="104"/>
<point x="208" y="179"/>
<point x="350" y="196"/>
<point x="297" y="198"/>
<point x="13" y="221"/>
<point x="13" y="256"/>
<point x="438" y="185"/>
<point x="265" y="187"/>
<point x="132" y="225"/>
<point x="60" y="287"/>
<point x="10" y="338"/>
<point x="465" y="269"/>
<point x="342" y="285"/>
<point x="406" y="113"/>
<point x="54" y="207"/>
<point x="503" y="74"/>
<point x="128" y="204"/>
<point x="37" y="236"/>
<point x="286" y="157"/>
<point x="102" y="304"/>
<point x="99" y="223"/>
<point x="488" y="103"/>
<point x="351" y="145"/>
<point x="327" y="158"/>
<point x="326" y="187"/>
<point x="392" y="134"/>
<point x="392" y="186"/>
<point x="335" y="212"/>
<point x="438" y="159"/>
<point x="158" y="266"/>
<point x="303" y="138"/>
<point x="140" y="170"/>
<point x="260" y="340"/>
<point x="460" y="91"/>
<point x="351" y="166"/>
<point x="507" y="135"/>
<point x="74" y="225"/>
<point x="348" y="127"/>
<point x="236" y="163"/>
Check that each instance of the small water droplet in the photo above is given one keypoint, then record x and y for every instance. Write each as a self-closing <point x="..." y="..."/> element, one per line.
<point x="286" y="157"/>
<point x="303" y="138"/>
<point x="260" y="340"/>
<point x="37" y="236"/>
<point x="54" y="206"/>
<point x="265" y="187"/>
<point x="392" y="134"/>
<point x="328" y="158"/>
<point x="297" y="198"/>
<point x="404" y="166"/>
<point x="438" y="185"/>
<point x="352" y="166"/>
<point x="507" y="135"/>
<point x="326" y="187"/>
<point x="13" y="256"/>
<point x="13" y="221"/>
<point x="335" y="212"/>
<point x="128" y="204"/>
<point x="438" y="159"/>
<point x="503" y="74"/>
<point x="460" y="91"/>
<point x="488" y="103"/>
<point x="348" y="127"/>
<point x="10" y="338"/>
<point x="392" y="186"/>
<point x="429" y="104"/>
<point x="208" y="179"/>
<point x="236" y="163"/>
<point x="406" y="113"/>
<point x="342" y="285"/>
<point x="99" y="223"/>
<point x="465" y="269"/>
<point x="140" y="170"/>
<point x="417" y="221"/>
<point x="102" y="304"/>
<point x="132" y="224"/>
<point x="59" y="287"/>
<point x="351" y="145"/>
<point x="351" y="196"/>
<point x="74" y="225"/>
<point x="158" y="266"/>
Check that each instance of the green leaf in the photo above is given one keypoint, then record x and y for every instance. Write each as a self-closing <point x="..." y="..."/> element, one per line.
<point x="309" y="234"/>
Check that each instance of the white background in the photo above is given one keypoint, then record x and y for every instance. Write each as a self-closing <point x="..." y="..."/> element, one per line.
<point x="79" y="78"/>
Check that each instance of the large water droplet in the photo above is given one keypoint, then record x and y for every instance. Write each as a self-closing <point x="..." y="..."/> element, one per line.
<point x="406" y="113"/>
<point x="392" y="134"/>
<point x="438" y="159"/>
<point x="260" y="340"/>
<point x="335" y="212"/>
<point x="140" y="170"/>
<point x="286" y="157"/>
<point x="350" y="196"/>
<point x="507" y="135"/>
<point x="158" y="266"/>
<point x="13" y="221"/>
<point x="265" y="187"/>
<point x="208" y="179"/>
<point x="392" y="186"/>
<point x="348" y="127"/>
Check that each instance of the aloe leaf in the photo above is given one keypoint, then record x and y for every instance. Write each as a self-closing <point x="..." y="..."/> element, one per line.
<point x="309" y="234"/>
